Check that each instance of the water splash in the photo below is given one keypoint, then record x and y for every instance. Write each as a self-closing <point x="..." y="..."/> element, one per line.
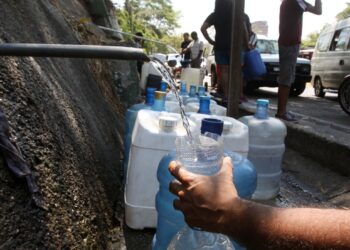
<point x="172" y="84"/>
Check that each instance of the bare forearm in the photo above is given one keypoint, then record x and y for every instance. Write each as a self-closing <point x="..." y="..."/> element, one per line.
<point x="204" y="31"/>
<point x="316" y="9"/>
<point x="263" y="227"/>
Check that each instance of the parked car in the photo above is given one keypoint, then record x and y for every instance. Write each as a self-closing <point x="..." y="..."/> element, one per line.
<point x="331" y="63"/>
<point x="268" y="49"/>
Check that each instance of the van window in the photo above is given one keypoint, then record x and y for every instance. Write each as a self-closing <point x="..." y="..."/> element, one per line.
<point x="323" y="41"/>
<point x="340" y="40"/>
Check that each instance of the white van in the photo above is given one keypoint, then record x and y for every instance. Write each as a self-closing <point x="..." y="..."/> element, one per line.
<point x="330" y="64"/>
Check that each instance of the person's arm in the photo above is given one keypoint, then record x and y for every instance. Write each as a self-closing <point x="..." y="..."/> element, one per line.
<point x="204" y="30"/>
<point x="212" y="204"/>
<point x="315" y="9"/>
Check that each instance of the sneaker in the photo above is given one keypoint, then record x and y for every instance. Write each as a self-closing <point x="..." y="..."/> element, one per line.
<point x="288" y="117"/>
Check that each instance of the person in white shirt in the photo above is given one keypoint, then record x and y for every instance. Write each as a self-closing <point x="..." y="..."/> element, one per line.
<point x="196" y="48"/>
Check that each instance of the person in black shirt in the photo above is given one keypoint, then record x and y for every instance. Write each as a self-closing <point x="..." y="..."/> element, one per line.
<point x="184" y="45"/>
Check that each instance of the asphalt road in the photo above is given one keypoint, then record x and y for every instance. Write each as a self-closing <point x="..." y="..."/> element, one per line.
<point x="326" y="109"/>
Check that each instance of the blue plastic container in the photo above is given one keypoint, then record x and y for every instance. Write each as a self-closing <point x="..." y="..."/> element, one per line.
<point x="170" y="221"/>
<point x="253" y="65"/>
<point x="130" y="118"/>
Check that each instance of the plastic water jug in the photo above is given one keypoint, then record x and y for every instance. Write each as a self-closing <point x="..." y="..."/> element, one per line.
<point x="130" y="118"/>
<point x="266" y="148"/>
<point x="235" y="133"/>
<point x="153" y="137"/>
<point x="170" y="221"/>
<point x="253" y="65"/>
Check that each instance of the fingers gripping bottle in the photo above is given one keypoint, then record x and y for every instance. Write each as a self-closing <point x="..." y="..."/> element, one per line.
<point x="171" y="221"/>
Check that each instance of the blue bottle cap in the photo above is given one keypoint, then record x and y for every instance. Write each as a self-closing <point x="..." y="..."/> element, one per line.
<point x="150" y="96"/>
<point x="204" y="105"/>
<point x="210" y="125"/>
<point x="201" y="91"/>
<point x="263" y="103"/>
<point x="163" y="86"/>
<point x="262" y="107"/>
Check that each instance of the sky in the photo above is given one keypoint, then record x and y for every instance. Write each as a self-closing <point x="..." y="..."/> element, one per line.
<point x="194" y="12"/>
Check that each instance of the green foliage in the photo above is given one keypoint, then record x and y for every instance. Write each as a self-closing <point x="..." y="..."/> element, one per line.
<point x="310" y="41"/>
<point x="156" y="19"/>
<point x="345" y="13"/>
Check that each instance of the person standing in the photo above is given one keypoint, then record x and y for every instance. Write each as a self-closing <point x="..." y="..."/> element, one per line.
<point x="290" y="29"/>
<point x="184" y="45"/>
<point x="196" y="49"/>
<point x="221" y="19"/>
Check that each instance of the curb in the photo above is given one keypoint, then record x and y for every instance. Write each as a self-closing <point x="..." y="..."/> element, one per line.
<point x="326" y="150"/>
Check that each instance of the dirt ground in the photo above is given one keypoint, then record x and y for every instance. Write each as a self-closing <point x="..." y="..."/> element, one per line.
<point x="67" y="121"/>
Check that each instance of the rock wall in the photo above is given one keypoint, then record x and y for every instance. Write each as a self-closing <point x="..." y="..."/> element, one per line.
<point x="66" y="117"/>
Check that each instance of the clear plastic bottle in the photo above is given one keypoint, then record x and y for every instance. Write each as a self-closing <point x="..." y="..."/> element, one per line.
<point x="266" y="148"/>
<point x="189" y="239"/>
<point x="171" y="221"/>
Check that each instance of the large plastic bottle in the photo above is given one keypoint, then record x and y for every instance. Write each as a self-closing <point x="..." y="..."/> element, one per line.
<point x="266" y="148"/>
<point x="130" y="118"/>
<point x="170" y="221"/>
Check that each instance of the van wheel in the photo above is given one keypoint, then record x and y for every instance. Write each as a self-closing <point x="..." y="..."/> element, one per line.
<point x="344" y="96"/>
<point x="297" y="88"/>
<point x="318" y="88"/>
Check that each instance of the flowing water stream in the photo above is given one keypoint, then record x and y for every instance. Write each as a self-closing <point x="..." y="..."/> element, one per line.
<point x="165" y="73"/>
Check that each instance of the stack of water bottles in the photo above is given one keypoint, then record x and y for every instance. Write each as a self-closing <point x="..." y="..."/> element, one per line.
<point x="171" y="222"/>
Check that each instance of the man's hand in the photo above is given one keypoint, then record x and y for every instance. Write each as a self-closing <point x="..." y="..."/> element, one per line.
<point x="206" y="201"/>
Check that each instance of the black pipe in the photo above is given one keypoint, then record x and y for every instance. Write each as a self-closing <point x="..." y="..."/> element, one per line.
<point x="72" y="51"/>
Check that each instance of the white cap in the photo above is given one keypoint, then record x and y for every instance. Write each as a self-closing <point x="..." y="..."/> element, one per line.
<point x="227" y="126"/>
<point x="168" y="123"/>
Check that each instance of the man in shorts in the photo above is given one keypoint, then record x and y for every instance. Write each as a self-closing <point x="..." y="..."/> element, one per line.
<point x="221" y="19"/>
<point x="291" y="24"/>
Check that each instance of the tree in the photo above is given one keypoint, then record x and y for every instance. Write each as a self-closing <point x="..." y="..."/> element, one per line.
<point x="156" y="19"/>
<point x="311" y="40"/>
<point x="345" y="13"/>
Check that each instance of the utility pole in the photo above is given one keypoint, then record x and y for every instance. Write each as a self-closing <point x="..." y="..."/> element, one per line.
<point x="236" y="82"/>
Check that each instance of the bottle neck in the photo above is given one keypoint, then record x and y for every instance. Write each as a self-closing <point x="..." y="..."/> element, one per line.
<point x="204" y="105"/>
<point x="261" y="112"/>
